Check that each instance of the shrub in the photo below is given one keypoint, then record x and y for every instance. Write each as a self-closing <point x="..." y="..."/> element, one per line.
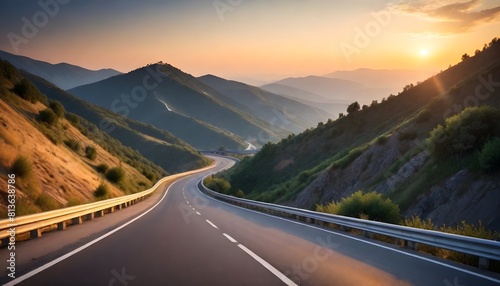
<point x="489" y="157"/>
<point x="239" y="194"/>
<point x="423" y="116"/>
<point x="73" y="119"/>
<point x="407" y="135"/>
<point x="101" y="191"/>
<point x="381" y="140"/>
<point x="217" y="185"/>
<point x="465" y="132"/>
<point x="27" y="91"/>
<point x="21" y="167"/>
<point x="370" y="205"/>
<point x="115" y="174"/>
<point x="46" y="202"/>
<point x="73" y="144"/>
<point x="90" y="152"/>
<point x="102" y="168"/>
<point x="58" y="108"/>
<point x="47" y="116"/>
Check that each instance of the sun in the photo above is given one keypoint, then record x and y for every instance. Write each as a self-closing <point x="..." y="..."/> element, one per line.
<point x="424" y="52"/>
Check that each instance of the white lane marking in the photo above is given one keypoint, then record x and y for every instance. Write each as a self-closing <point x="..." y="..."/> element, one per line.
<point x="268" y="266"/>
<point x="69" y="254"/>
<point x="198" y="213"/>
<point x="229" y="237"/>
<point x="211" y="223"/>
<point x="367" y="242"/>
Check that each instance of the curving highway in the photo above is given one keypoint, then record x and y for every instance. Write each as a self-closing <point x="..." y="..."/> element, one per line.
<point x="186" y="238"/>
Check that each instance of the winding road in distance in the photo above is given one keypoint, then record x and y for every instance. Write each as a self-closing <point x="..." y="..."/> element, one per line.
<point x="187" y="238"/>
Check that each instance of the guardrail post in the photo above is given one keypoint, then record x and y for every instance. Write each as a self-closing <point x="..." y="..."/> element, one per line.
<point x="77" y="220"/>
<point x="367" y="234"/>
<point x="111" y="209"/>
<point x="99" y="213"/>
<point x="90" y="216"/>
<point x="61" y="225"/>
<point x="35" y="233"/>
<point x="410" y="244"/>
<point x="484" y="263"/>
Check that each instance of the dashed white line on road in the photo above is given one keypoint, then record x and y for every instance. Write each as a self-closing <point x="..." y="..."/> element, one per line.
<point x="211" y="223"/>
<point x="268" y="266"/>
<point x="230" y="238"/>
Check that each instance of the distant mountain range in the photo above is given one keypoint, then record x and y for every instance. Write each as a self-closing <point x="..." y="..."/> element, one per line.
<point x="334" y="91"/>
<point x="289" y="113"/>
<point x="63" y="75"/>
<point x="170" y="99"/>
<point x="382" y="78"/>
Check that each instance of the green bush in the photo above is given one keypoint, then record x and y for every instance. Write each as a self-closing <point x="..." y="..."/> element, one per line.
<point x="47" y="116"/>
<point x="423" y="116"/>
<point x="407" y="135"/>
<point x="21" y="167"/>
<point x="381" y="140"/>
<point x="46" y="203"/>
<point x="27" y="91"/>
<point x="489" y="157"/>
<point x="102" y="168"/>
<point x="463" y="228"/>
<point x="115" y="174"/>
<point x="101" y="191"/>
<point x="239" y="194"/>
<point x="367" y="205"/>
<point x="75" y="120"/>
<point x="90" y="152"/>
<point x="58" y="108"/>
<point x="73" y="144"/>
<point x="217" y="185"/>
<point x="465" y="132"/>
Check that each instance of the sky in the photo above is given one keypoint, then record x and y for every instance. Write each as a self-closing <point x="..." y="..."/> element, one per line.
<point x="252" y="39"/>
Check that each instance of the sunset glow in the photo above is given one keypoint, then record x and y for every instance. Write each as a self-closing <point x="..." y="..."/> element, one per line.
<point x="258" y="39"/>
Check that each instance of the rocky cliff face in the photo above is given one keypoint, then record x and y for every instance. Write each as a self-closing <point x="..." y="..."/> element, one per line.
<point x="463" y="196"/>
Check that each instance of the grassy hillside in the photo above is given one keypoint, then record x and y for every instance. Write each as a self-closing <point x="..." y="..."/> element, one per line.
<point x="377" y="147"/>
<point x="59" y="159"/>
<point x="195" y="115"/>
<point x="159" y="146"/>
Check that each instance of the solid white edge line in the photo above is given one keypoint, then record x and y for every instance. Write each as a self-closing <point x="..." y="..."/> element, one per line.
<point x="268" y="266"/>
<point x="69" y="254"/>
<point x="211" y="223"/>
<point x="364" y="241"/>
<point x="230" y="238"/>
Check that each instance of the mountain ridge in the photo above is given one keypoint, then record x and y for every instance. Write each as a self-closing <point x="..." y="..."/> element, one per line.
<point x="64" y="75"/>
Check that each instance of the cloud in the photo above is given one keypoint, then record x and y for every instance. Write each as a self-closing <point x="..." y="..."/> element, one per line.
<point x="448" y="17"/>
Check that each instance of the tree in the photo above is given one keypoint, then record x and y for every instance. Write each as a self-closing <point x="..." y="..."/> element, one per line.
<point x="48" y="116"/>
<point x="57" y="107"/>
<point x="465" y="56"/>
<point x="353" y="107"/>
<point x="90" y="152"/>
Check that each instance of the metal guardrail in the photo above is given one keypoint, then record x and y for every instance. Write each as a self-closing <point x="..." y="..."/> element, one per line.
<point x="35" y="224"/>
<point x="485" y="249"/>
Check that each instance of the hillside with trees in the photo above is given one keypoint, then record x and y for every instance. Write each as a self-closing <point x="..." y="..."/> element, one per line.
<point x="432" y="150"/>
<point x="60" y="159"/>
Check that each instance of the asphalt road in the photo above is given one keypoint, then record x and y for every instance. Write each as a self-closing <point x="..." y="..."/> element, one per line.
<point x="190" y="239"/>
